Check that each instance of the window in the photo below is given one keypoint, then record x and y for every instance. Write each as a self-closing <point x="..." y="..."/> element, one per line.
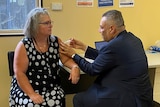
<point x="13" y="14"/>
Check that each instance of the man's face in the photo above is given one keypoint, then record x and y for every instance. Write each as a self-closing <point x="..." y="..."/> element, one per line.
<point x="105" y="29"/>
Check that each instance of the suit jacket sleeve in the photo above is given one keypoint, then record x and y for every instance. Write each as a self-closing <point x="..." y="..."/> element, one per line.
<point x="103" y="62"/>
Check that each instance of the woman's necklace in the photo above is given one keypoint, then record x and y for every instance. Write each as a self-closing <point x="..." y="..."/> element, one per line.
<point x="42" y="48"/>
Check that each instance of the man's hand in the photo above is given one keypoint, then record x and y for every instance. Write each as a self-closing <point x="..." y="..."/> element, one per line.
<point x="77" y="44"/>
<point x="67" y="50"/>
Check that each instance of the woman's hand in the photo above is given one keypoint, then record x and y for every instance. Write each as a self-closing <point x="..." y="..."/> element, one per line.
<point x="36" y="98"/>
<point x="75" y="74"/>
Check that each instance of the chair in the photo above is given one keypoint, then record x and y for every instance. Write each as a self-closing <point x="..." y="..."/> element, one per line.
<point x="156" y="104"/>
<point x="64" y="80"/>
<point x="10" y="62"/>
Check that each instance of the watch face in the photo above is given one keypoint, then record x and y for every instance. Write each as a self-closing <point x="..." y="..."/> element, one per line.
<point x="73" y="55"/>
<point x="100" y="44"/>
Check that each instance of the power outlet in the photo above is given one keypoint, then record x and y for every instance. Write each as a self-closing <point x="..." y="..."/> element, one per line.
<point x="56" y="6"/>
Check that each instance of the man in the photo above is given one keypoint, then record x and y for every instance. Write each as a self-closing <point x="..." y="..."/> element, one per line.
<point x="120" y="65"/>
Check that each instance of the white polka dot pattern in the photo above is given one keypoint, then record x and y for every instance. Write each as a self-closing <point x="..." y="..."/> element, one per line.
<point x="43" y="76"/>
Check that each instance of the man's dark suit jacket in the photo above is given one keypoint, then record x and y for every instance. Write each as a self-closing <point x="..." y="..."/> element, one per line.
<point x="122" y="69"/>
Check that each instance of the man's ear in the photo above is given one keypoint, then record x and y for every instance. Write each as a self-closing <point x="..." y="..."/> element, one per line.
<point x="112" y="29"/>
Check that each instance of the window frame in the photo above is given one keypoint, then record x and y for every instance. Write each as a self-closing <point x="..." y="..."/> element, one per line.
<point x="18" y="32"/>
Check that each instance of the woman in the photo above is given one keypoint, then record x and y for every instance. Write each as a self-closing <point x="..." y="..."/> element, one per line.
<point x="36" y="65"/>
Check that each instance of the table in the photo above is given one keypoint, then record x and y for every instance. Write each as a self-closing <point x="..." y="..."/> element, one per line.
<point x="153" y="64"/>
<point x="86" y="80"/>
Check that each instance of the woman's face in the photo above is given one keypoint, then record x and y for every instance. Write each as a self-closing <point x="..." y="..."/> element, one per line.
<point x="45" y="25"/>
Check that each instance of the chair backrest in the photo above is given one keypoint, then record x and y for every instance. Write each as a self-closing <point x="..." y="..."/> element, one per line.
<point x="156" y="104"/>
<point x="10" y="62"/>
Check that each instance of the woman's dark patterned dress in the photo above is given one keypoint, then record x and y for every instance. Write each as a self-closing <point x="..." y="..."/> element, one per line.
<point x="43" y="75"/>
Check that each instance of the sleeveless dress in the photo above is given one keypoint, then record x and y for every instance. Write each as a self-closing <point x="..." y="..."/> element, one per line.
<point x="43" y="75"/>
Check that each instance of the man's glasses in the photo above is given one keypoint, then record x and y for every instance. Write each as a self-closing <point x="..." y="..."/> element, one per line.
<point x="47" y="23"/>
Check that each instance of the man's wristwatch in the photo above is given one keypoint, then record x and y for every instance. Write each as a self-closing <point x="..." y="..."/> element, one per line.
<point x="73" y="55"/>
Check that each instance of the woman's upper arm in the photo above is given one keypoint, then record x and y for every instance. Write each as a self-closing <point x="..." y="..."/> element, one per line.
<point x="67" y="61"/>
<point x="63" y="57"/>
<point x="20" y="59"/>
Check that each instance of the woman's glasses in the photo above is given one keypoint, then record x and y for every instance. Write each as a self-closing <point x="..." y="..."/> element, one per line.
<point x="47" y="23"/>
